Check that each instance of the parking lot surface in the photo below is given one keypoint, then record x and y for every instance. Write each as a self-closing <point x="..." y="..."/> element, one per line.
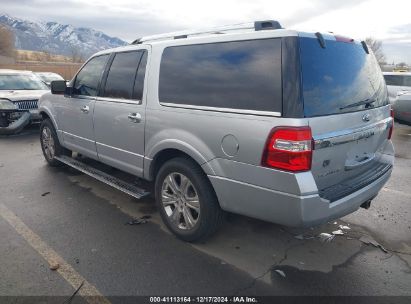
<point x="52" y="216"/>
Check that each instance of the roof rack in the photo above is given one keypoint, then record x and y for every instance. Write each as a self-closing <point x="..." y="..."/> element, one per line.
<point x="254" y="26"/>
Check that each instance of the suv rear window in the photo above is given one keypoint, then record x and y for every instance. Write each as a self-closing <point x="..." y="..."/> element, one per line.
<point x="338" y="76"/>
<point x="236" y="75"/>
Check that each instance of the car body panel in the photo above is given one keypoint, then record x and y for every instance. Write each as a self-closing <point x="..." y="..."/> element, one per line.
<point x="402" y="108"/>
<point x="120" y="141"/>
<point x="77" y="125"/>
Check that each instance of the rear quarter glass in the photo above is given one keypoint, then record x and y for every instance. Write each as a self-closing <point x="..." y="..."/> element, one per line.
<point x="242" y="75"/>
<point x="339" y="75"/>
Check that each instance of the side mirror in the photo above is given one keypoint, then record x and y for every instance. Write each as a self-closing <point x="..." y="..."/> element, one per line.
<point x="58" y="87"/>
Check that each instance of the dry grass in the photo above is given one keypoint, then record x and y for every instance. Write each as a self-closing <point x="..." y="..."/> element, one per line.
<point x="66" y="70"/>
<point x="30" y="56"/>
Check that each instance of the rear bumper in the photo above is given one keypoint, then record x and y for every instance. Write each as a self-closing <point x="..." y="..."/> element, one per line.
<point x="288" y="209"/>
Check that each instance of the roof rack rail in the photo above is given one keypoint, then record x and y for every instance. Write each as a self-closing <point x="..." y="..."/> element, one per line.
<point x="254" y="26"/>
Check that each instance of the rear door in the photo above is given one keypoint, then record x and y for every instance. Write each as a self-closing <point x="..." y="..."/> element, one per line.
<point x="119" y="114"/>
<point x="76" y="112"/>
<point x="345" y="99"/>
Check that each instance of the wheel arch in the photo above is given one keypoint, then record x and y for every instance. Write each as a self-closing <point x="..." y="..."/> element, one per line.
<point x="163" y="155"/>
<point x="45" y="114"/>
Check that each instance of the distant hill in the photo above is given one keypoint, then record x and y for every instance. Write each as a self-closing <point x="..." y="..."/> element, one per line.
<point x="58" y="38"/>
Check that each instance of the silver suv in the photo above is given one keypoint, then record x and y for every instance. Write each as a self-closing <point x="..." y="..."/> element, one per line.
<point x="284" y="126"/>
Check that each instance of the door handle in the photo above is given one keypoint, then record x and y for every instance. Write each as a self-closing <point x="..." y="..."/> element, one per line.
<point x="134" y="117"/>
<point x="85" y="109"/>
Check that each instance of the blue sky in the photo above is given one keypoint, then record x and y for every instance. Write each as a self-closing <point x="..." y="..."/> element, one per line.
<point x="389" y="21"/>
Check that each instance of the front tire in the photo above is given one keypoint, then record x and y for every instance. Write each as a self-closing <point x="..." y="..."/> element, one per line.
<point x="50" y="144"/>
<point x="186" y="200"/>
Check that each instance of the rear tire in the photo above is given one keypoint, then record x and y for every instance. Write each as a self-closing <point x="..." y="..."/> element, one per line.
<point x="186" y="200"/>
<point x="50" y="144"/>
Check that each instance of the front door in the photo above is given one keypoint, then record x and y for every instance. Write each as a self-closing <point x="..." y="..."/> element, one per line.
<point x="76" y="111"/>
<point x="119" y="114"/>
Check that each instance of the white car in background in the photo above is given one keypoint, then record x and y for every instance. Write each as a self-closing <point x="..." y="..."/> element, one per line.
<point x="397" y="82"/>
<point x="19" y="94"/>
<point x="48" y="77"/>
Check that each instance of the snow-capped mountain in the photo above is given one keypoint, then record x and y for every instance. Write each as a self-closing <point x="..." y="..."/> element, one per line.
<point x="58" y="38"/>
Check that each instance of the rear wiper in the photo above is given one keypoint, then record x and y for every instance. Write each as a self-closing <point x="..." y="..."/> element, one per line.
<point x="366" y="102"/>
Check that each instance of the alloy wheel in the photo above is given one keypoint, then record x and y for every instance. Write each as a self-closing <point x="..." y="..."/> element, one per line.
<point x="48" y="143"/>
<point x="180" y="201"/>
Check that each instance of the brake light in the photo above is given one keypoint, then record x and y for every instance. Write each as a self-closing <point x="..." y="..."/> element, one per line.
<point x="392" y="125"/>
<point x="289" y="148"/>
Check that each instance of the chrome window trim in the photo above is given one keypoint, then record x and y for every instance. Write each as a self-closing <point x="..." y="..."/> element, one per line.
<point x="223" y="110"/>
<point x="330" y="139"/>
<point x="86" y="97"/>
<point x="120" y="100"/>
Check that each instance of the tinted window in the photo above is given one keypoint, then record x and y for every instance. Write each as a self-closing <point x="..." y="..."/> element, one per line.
<point x="337" y="76"/>
<point x="393" y="80"/>
<point x="407" y="81"/>
<point x="139" y="84"/>
<point x="88" y="78"/>
<point x="121" y="76"/>
<point x="239" y="75"/>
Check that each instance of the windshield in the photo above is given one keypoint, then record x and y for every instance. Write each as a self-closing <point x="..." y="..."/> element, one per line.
<point x="21" y="82"/>
<point x="339" y="78"/>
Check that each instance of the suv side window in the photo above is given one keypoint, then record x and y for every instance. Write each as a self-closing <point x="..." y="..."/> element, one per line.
<point x="88" y="79"/>
<point x="122" y="75"/>
<point x="243" y="75"/>
<point x="393" y="80"/>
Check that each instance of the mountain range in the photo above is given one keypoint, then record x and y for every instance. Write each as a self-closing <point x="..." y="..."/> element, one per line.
<point x="57" y="38"/>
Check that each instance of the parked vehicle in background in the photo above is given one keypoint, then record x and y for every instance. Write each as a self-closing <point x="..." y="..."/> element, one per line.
<point x="402" y="108"/>
<point x="48" y="77"/>
<point x="19" y="94"/>
<point x="396" y="83"/>
<point x="284" y="126"/>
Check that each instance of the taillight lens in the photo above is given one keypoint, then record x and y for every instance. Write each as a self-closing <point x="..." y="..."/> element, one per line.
<point x="392" y="125"/>
<point x="289" y="148"/>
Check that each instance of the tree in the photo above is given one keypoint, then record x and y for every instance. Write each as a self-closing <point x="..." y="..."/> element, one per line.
<point x="46" y="56"/>
<point x="76" y="55"/>
<point x="376" y="47"/>
<point x="6" y="42"/>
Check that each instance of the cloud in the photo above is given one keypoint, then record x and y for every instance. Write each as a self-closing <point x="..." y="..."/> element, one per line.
<point x="130" y="19"/>
<point x="318" y="8"/>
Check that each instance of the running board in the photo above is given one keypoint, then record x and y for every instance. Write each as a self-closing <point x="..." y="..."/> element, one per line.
<point x="104" y="177"/>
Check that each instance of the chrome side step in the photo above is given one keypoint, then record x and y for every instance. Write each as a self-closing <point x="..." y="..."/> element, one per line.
<point x="104" y="177"/>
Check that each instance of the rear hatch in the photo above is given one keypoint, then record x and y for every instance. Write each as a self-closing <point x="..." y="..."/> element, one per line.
<point x="346" y="103"/>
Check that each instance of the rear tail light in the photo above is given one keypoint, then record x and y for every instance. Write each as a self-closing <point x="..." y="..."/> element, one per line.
<point x="392" y="125"/>
<point x="289" y="148"/>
